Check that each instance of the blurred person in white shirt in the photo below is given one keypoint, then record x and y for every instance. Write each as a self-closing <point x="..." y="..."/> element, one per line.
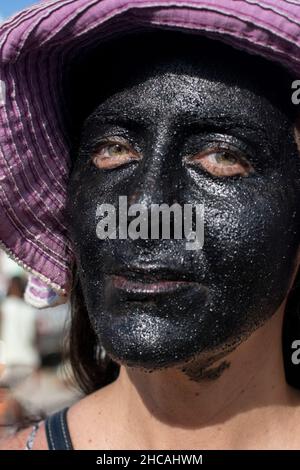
<point x="18" y="334"/>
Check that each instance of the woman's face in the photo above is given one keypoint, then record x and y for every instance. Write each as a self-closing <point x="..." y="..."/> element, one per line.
<point x="187" y="132"/>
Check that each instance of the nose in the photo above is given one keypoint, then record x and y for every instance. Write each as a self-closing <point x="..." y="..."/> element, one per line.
<point x="158" y="178"/>
<point x="157" y="182"/>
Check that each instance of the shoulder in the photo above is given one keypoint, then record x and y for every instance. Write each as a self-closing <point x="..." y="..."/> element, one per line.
<point x="95" y="412"/>
<point x="84" y="409"/>
<point x="19" y="440"/>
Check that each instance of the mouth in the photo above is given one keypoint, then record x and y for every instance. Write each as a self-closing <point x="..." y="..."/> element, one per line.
<point x="147" y="284"/>
<point x="144" y="286"/>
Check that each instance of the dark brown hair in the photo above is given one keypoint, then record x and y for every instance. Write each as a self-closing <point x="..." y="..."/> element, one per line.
<point x="91" y="369"/>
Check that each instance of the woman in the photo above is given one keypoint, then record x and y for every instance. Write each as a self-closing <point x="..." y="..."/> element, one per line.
<point x="179" y="348"/>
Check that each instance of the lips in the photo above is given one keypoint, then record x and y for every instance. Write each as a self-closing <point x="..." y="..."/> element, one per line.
<point x="154" y="292"/>
<point x="147" y="286"/>
<point x="147" y="283"/>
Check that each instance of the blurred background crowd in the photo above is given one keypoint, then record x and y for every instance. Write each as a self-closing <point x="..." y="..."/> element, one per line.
<point x="35" y="377"/>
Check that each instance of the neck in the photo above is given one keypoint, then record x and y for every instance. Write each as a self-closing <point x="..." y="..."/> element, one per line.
<point x="167" y="407"/>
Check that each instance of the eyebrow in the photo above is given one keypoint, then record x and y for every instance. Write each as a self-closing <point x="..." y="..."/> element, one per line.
<point x="115" y="118"/>
<point x="226" y="120"/>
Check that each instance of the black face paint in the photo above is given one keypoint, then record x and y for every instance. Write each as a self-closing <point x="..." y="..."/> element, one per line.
<point x="239" y="278"/>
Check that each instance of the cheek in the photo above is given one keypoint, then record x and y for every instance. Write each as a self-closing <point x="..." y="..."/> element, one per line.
<point x="251" y="241"/>
<point x="84" y="193"/>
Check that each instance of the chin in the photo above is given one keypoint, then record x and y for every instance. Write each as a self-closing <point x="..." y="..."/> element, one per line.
<point x="154" y="343"/>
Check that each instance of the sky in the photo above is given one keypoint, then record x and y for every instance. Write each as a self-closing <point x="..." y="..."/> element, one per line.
<point x="9" y="7"/>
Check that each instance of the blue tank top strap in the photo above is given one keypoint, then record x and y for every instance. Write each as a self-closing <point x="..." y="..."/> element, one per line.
<point x="57" y="431"/>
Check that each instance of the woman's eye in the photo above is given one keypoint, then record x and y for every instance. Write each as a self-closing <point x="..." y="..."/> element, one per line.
<point x="112" y="155"/>
<point x="221" y="162"/>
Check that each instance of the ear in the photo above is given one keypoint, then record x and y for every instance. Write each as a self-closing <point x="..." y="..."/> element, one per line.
<point x="297" y="131"/>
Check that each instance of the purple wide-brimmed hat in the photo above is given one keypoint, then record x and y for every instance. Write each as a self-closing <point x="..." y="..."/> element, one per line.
<point x="36" y="46"/>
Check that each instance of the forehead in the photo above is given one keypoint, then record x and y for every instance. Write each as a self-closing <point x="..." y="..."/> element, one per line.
<point x="183" y="90"/>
